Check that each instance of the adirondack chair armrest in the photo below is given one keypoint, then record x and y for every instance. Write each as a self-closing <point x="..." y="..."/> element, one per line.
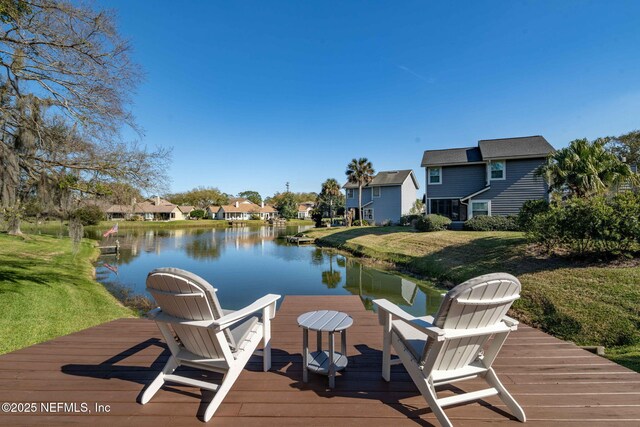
<point x="510" y="322"/>
<point x="267" y="301"/>
<point x="386" y="308"/>
<point x="474" y="332"/>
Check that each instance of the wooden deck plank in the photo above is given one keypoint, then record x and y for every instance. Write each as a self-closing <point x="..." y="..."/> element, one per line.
<point x="557" y="383"/>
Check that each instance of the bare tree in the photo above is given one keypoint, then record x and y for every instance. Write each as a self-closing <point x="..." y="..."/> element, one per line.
<point x="65" y="81"/>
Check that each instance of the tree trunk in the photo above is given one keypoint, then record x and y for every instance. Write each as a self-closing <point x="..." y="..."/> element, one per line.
<point x="12" y="215"/>
<point x="360" y="203"/>
<point x="331" y="211"/>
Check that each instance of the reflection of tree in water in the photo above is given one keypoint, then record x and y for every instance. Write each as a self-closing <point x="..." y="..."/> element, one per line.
<point x="202" y="249"/>
<point x="341" y="261"/>
<point x="317" y="257"/>
<point x="330" y="277"/>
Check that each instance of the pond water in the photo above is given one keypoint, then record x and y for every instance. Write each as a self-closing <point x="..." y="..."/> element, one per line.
<point x="246" y="263"/>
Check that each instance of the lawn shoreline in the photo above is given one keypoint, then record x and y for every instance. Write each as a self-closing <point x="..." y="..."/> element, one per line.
<point x="50" y="292"/>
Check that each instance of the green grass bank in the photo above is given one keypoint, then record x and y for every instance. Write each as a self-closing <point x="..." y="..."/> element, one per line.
<point x="46" y="291"/>
<point x="593" y="303"/>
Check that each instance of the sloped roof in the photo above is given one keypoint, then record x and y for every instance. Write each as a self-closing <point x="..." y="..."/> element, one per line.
<point x="526" y="146"/>
<point x="268" y="209"/>
<point x="451" y="156"/>
<point x="119" y="209"/>
<point x="487" y="149"/>
<point x="304" y="207"/>
<point x="186" y="209"/>
<point x="388" y="178"/>
<point x="242" y="207"/>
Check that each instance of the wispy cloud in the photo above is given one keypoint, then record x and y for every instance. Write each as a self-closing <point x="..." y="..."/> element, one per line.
<point x="429" y="80"/>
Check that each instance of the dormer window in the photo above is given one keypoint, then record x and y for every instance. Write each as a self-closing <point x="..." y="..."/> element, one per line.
<point x="435" y="176"/>
<point x="498" y="170"/>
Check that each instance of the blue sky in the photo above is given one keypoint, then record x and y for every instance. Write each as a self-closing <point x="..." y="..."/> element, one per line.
<point x="254" y="94"/>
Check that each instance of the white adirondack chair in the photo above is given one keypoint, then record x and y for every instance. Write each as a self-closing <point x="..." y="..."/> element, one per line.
<point x="456" y="343"/>
<point x="200" y="334"/>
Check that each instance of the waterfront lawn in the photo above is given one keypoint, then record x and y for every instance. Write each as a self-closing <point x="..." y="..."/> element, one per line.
<point x="593" y="303"/>
<point x="46" y="291"/>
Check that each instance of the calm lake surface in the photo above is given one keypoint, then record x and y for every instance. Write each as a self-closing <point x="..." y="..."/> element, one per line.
<point x="246" y="263"/>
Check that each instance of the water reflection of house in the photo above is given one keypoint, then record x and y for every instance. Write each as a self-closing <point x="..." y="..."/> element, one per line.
<point x="377" y="284"/>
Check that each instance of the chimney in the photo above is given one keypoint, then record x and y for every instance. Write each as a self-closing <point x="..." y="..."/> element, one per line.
<point x="237" y="204"/>
<point x="262" y="204"/>
<point x="157" y="200"/>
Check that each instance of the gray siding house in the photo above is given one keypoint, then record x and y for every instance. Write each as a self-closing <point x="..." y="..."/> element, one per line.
<point x="494" y="178"/>
<point x="387" y="197"/>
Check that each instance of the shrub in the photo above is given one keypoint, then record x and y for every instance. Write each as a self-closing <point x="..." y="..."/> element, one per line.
<point x="432" y="222"/>
<point x="254" y="217"/>
<point x="597" y="224"/>
<point x="135" y="218"/>
<point x="197" y="213"/>
<point x="316" y="216"/>
<point x="357" y="222"/>
<point x="529" y="210"/>
<point x="88" y="215"/>
<point x="409" y="219"/>
<point x="545" y="229"/>
<point x="625" y="231"/>
<point x="583" y="223"/>
<point x="491" y="223"/>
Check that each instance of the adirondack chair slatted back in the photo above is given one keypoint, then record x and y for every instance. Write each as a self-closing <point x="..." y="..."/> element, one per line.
<point x="476" y="303"/>
<point x="187" y="296"/>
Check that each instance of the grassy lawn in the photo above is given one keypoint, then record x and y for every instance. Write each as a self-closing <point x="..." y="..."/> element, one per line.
<point x="46" y="291"/>
<point x="588" y="303"/>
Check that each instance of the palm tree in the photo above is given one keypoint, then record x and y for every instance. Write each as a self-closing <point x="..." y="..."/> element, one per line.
<point x="360" y="172"/>
<point x="329" y="193"/>
<point x="584" y="169"/>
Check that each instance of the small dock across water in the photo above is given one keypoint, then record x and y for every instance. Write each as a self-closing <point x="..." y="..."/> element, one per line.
<point x="300" y="240"/>
<point x="557" y="383"/>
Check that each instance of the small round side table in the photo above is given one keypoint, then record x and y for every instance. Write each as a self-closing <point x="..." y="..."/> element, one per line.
<point x="321" y="361"/>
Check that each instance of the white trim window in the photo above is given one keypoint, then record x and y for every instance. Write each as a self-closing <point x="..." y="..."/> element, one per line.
<point x="479" y="208"/>
<point x="497" y="170"/>
<point x="367" y="214"/>
<point x="375" y="191"/>
<point x="435" y="176"/>
<point x="349" y="193"/>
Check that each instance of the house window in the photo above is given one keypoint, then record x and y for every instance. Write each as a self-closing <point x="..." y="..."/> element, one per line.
<point x="480" y="207"/>
<point x="451" y="208"/>
<point x="376" y="191"/>
<point x="435" y="175"/>
<point x="498" y="170"/>
<point x="350" y="193"/>
<point x="367" y="213"/>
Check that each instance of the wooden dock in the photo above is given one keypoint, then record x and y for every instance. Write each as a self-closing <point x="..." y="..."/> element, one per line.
<point x="300" y="240"/>
<point x="557" y="383"/>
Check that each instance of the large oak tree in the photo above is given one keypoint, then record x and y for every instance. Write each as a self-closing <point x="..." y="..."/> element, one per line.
<point x="66" y="77"/>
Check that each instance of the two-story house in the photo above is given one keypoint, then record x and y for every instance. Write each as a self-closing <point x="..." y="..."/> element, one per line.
<point x="494" y="178"/>
<point x="387" y="197"/>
